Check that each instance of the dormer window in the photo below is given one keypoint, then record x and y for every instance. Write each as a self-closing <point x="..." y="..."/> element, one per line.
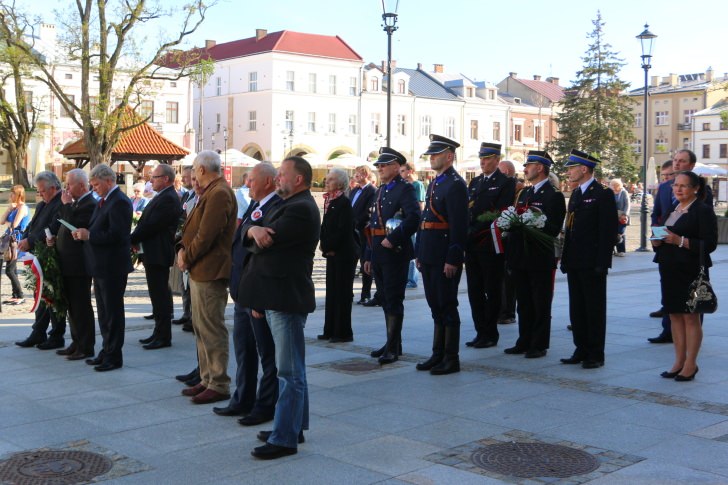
<point x="401" y="87"/>
<point x="375" y="84"/>
<point x="469" y="92"/>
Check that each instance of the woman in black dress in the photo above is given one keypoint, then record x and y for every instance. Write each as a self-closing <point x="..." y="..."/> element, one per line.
<point x="692" y="228"/>
<point x="340" y="248"/>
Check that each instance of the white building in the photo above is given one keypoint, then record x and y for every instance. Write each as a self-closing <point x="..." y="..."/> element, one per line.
<point x="711" y="135"/>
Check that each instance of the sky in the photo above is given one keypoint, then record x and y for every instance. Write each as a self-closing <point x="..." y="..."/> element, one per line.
<point x="485" y="40"/>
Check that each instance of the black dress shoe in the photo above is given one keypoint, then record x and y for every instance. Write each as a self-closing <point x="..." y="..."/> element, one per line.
<point x="339" y="340"/>
<point x="682" y="378"/>
<point x="484" y="344"/>
<point x="657" y="314"/>
<point x="271" y="452"/>
<point x="95" y="361"/>
<point x="227" y="411"/>
<point x="660" y="339"/>
<point x="572" y="360"/>
<point x="157" y="344"/>
<point x="187" y="327"/>
<point x="180" y="321"/>
<point x="514" y="351"/>
<point x="31" y="341"/>
<point x="371" y="303"/>
<point x="107" y="366"/>
<point x="193" y="382"/>
<point x="254" y="420"/>
<point x="187" y="377"/>
<point x="362" y="300"/>
<point x="70" y="350"/>
<point x="323" y="336"/>
<point x="264" y="435"/>
<point x="148" y="317"/>
<point x="51" y="344"/>
<point x="670" y="375"/>
<point x="535" y="354"/>
<point x="592" y="364"/>
<point x="146" y="340"/>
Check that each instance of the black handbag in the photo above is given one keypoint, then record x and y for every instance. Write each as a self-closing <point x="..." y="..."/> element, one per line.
<point x="702" y="298"/>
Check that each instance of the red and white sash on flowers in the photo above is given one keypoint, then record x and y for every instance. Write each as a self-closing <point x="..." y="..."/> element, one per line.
<point x="496" y="232"/>
<point x="30" y="260"/>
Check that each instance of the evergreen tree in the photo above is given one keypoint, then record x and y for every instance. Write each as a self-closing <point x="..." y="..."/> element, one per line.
<point x="596" y="116"/>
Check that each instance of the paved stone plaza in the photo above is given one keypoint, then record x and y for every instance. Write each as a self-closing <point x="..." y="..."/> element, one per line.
<point x="394" y="424"/>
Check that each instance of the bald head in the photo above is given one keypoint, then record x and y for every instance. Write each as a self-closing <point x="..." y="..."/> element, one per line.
<point x="507" y="168"/>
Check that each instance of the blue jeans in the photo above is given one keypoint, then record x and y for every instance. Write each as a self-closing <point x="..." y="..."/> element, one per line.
<point x="291" y="415"/>
<point x="412" y="275"/>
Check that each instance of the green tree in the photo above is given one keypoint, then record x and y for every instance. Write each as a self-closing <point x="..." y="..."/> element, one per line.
<point x="596" y="116"/>
<point x="108" y="40"/>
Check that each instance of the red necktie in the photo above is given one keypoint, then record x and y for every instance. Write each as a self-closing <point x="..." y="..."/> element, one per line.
<point x="101" y="203"/>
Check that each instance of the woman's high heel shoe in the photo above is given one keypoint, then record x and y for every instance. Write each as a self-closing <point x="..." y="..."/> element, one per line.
<point x="681" y="378"/>
<point x="670" y="375"/>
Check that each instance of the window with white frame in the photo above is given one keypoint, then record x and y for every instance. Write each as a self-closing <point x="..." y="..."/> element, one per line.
<point x="706" y="151"/>
<point x="688" y="115"/>
<point x="686" y="144"/>
<point x="332" y="122"/>
<point x="518" y="133"/>
<point x="28" y="95"/>
<point x="401" y="87"/>
<point x="537" y="134"/>
<point x="374" y="82"/>
<point x="402" y="125"/>
<point x="218" y="86"/>
<point x="312" y="82"/>
<point x="638" y="120"/>
<point x="289" y="121"/>
<point x="352" y="86"/>
<point x="706" y="126"/>
<point x="473" y="129"/>
<point x="352" y="124"/>
<point x="332" y="84"/>
<point x="637" y="146"/>
<point x="375" y="123"/>
<point x="64" y="112"/>
<point x="661" y="118"/>
<point x="146" y="109"/>
<point x="252" y="81"/>
<point x="93" y="107"/>
<point x="218" y="122"/>
<point x="425" y="125"/>
<point x="450" y="127"/>
<point x="172" y="112"/>
<point x="290" y="81"/>
<point x="252" y="120"/>
<point x="661" y="144"/>
<point x="496" y="131"/>
<point x="312" y="122"/>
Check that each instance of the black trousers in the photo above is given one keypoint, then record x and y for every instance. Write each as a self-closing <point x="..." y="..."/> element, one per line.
<point x="508" y="299"/>
<point x="11" y="270"/>
<point x="161" y="295"/>
<point x="43" y="317"/>
<point x="588" y="312"/>
<point x="391" y="280"/>
<point x="484" y="274"/>
<point x="441" y="294"/>
<point x="80" y="313"/>
<point x="535" y="293"/>
<point x="109" y="291"/>
<point x="337" y="317"/>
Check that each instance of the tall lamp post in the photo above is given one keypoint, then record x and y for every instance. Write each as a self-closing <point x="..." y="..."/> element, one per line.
<point x="224" y="153"/>
<point x="389" y="17"/>
<point x="647" y="39"/>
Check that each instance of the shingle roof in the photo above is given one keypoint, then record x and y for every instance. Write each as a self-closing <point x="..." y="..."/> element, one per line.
<point x="422" y="85"/>
<point x="553" y="92"/>
<point x="716" y="109"/>
<point x="140" y="143"/>
<point x="286" y="41"/>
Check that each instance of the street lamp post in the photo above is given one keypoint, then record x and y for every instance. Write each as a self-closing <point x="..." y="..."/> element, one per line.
<point x="224" y="154"/>
<point x="647" y="39"/>
<point x="389" y="17"/>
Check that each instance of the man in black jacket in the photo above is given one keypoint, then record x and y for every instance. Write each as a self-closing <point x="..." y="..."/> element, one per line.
<point x="591" y="231"/>
<point x="153" y="239"/>
<point x="78" y="206"/>
<point x="361" y="205"/>
<point x="46" y="213"/>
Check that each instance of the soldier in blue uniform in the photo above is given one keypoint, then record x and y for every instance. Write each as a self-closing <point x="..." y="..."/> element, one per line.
<point x="591" y="231"/>
<point x="394" y="219"/>
<point x="533" y="265"/>
<point x="491" y="191"/>
<point x="440" y="254"/>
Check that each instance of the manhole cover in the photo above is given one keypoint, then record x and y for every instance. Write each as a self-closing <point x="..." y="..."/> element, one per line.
<point x="53" y="467"/>
<point x="528" y="460"/>
<point x="361" y="365"/>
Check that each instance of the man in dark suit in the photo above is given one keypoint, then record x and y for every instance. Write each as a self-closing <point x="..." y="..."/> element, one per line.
<point x="46" y="212"/>
<point x="393" y="221"/>
<point x="440" y="254"/>
<point x="665" y="203"/>
<point x="591" y="228"/>
<point x="153" y="239"/>
<point x="361" y="204"/>
<point x="78" y="206"/>
<point x="491" y="191"/>
<point x="252" y="337"/>
<point x="276" y="282"/>
<point x="532" y="265"/>
<point x="107" y="254"/>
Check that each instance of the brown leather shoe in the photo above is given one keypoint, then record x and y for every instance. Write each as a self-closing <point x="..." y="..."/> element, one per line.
<point x="209" y="396"/>
<point x="78" y="355"/>
<point x="193" y="391"/>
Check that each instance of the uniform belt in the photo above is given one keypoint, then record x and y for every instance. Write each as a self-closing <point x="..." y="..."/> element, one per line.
<point x="377" y="232"/>
<point x="434" y="225"/>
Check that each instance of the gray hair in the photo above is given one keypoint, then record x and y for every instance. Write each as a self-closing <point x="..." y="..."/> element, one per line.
<point x="617" y="182"/>
<point x="187" y="168"/>
<point x="102" y="172"/>
<point x="210" y="160"/>
<point x="554" y="179"/>
<point x="78" y="175"/>
<point x="138" y="186"/>
<point x="167" y="171"/>
<point x="340" y="177"/>
<point x="266" y="169"/>
<point x="48" y="178"/>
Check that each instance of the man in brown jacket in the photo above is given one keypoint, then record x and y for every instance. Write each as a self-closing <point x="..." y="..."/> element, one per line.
<point x="205" y="251"/>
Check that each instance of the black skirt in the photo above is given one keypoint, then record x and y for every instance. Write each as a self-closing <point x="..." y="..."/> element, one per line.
<point x="675" y="280"/>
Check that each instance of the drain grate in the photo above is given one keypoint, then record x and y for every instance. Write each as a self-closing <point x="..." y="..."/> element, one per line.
<point x="53" y="467"/>
<point x="358" y="366"/>
<point x="530" y="460"/>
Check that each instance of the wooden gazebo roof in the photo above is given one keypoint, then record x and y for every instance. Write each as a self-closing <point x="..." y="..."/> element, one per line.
<point x="139" y="144"/>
